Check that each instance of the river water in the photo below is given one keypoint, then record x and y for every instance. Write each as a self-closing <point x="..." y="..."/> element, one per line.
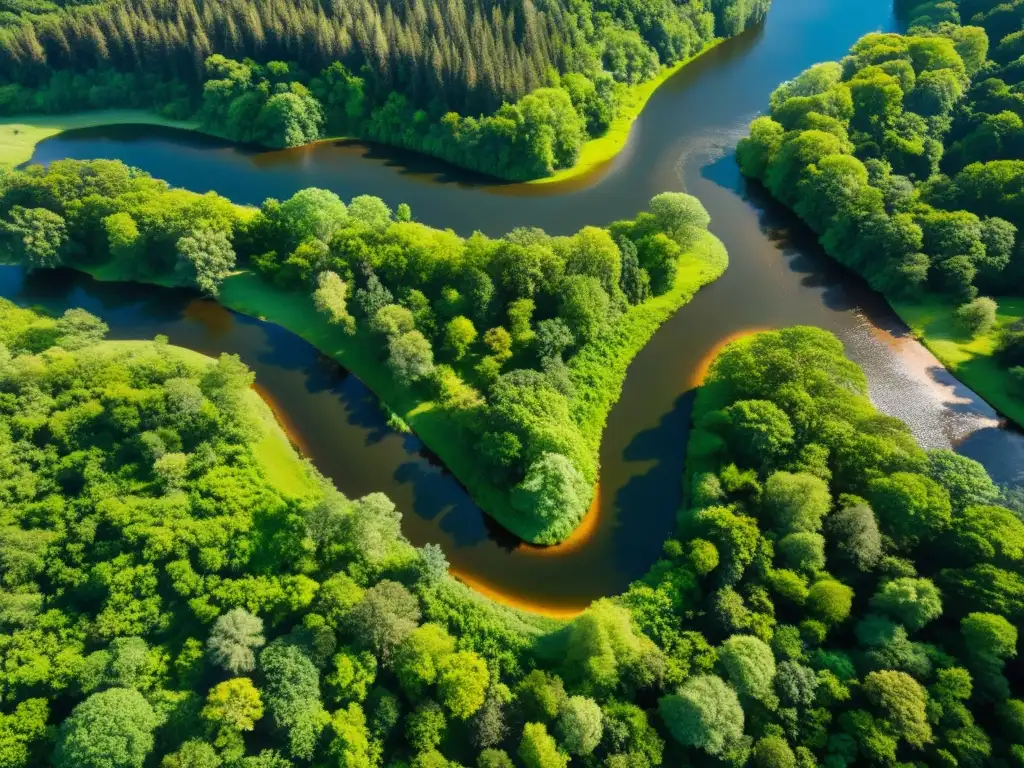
<point x="683" y="140"/>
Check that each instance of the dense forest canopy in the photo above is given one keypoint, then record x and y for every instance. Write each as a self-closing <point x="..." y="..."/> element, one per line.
<point x="541" y="77"/>
<point x="519" y="344"/>
<point x="164" y="604"/>
<point x="906" y="158"/>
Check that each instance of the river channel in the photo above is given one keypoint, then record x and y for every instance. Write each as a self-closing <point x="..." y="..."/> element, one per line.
<point x="778" y="276"/>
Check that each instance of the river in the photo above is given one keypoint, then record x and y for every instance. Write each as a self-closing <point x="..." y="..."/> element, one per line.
<point x="683" y="140"/>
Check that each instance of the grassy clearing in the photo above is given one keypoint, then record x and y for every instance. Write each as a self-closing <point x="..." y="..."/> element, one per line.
<point x="600" y="150"/>
<point x="282" y="465"/>
<point x="969" y="359"/>
<point x="20" y="135"/>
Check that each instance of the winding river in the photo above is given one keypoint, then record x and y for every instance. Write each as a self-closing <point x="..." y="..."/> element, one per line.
<point x="777" y="276"/>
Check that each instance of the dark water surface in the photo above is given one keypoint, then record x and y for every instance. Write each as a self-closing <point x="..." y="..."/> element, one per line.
<point x="777" y="276"/>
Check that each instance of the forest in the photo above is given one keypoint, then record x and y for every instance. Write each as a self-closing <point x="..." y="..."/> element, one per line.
<point x="164" y="604"/>
<point x="513" y="89"/>
<point x="905" y="159"/>
<point x="515" y="348"/>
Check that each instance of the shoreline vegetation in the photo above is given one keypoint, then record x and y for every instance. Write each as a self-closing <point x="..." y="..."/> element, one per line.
<point x="522" y="93"/>
<point x="895" y="157"/>
<point x="517" y="346"/>
<point x="602" y="149"/>
<point x="20" y="135"/>
<point x="246" y="293"/>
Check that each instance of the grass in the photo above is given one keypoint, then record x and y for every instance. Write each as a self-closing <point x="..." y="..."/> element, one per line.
<point x="600" y="150"/>
<point x="969" y="359"/>
<point x="20" y="135"/>
<point x="281" y="464"/>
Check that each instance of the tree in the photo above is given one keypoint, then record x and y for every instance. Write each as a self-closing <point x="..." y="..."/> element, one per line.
<point x="292" y="696"/>
<point x="232" y="707"/>
<point x="410" y="357"/>
<point x="312" y="212"/>
<point x="384" y="617"/>
<point x="829" y="600"/>
<point x="593" y="252"/>
<point x="912" y="602"/>
<point x="579" y="726"/>
<point x="705" y="714"/>
<point x="459" y="335"/>
<point x="903" y="702"/>
<point x="583" y="305"/>
<point x="206" y="257"/>
<point x="538" y="750"/>
<point x="350" y="743"/>
<point x="989" y="640"/>
<point x="757" y="431"/>
<point x="965" y="480"/>
<point x="370" y="212"/>
<point x="330" y="298"/>
<point x="796" y="502"/>
<point x="418" y="658"/>
<point x="462" y="683"/>
<point x="494" y="758"/>
<point x="977" y="317"/>
<point x="635" y="281"/>
<point x="773" y="752"/>
<point x="122" y="240"/>
<point x="21" y="731"/>
<point x="854" y="534"/>
<point x="803" y="551"/>
<point x="425" y="726"/>
<point x="233" y="640"/>
<point x="192" y="754"/>
<point x="682" y="217"/>
<point x="39" y="236"/>
<point x="553" y="338"/>
<point x="749" y="665"/>
<point x="110" y="729"/>
<point x="77" y="328"/>
<point x="911" y="508"/>
<point x="499" y="342"/>
<point x="553" y="491"/>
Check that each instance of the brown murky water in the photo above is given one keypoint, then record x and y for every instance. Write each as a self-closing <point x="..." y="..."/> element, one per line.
<point x="684" y="139"/>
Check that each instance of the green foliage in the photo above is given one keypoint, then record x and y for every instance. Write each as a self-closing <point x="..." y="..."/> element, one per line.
<point x="110" y="729"/>
<point x="705" y="714"/>
<point x="233" y="640"/>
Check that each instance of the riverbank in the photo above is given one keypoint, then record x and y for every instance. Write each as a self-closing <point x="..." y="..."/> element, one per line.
<point x="598" y="373"/>
<point x="602" y="149"/>
<point x="971" y="360"/>
<point x="20" y="135"/>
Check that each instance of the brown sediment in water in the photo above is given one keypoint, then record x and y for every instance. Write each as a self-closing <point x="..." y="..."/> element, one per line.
<point x="287" y="426"/>
<point x="700" y="371"/>
<point x="211" y="315"/>
<point x="491" y="592"/>
<point x="578" y="539"/>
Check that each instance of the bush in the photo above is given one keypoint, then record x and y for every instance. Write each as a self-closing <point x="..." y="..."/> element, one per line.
<point x="976" y="317"/>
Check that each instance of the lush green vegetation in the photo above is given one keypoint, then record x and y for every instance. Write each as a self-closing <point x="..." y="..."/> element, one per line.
<point x="514" y="89"/>
<point x="504" y="355"/>
<point x="164" y="602"/>
<point x="906" y="159"/>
